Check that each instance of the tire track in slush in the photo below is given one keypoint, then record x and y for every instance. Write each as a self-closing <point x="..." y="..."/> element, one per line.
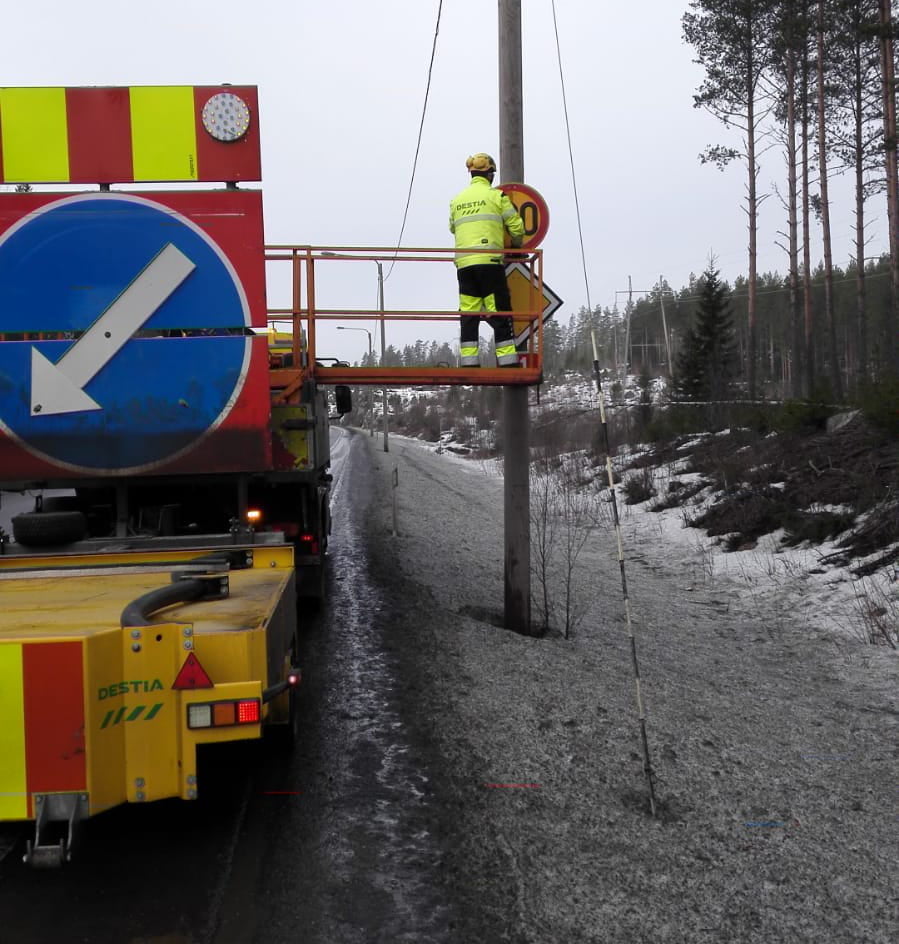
<point x="412" y="455"/>
<point x="385" y="845"/>
<point x="338" y="843"/>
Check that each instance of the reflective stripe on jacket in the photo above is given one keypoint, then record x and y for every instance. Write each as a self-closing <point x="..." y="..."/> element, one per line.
<point x="479" y="216"/>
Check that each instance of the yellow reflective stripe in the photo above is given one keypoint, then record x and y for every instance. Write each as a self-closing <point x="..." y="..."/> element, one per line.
<point x="487" y="247"/>
<point x="163" y="132"/>
<point x="35" y="135"/>
<point x="479" y="218"/>
<point x="466" y="258"/>
<point x="470" y="303"/>
<point x="13" y="786"/>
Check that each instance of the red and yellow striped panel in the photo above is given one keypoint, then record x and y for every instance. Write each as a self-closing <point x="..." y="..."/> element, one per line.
<point x="13" y="785"/>
<point x="121" y="135"/>
<point x="54" y="717"/>
<point x="41" y="723"/>
<point x="100" y="115"/>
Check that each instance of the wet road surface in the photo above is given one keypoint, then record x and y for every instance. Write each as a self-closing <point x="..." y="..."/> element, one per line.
<point x="332" y="841"/>
<point x="352" y="858"/>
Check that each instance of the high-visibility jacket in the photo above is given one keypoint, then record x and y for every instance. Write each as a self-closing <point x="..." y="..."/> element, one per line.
<point x="479" y="216"/>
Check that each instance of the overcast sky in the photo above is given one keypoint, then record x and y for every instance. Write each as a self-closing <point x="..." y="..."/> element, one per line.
<point x="341" y="89"/>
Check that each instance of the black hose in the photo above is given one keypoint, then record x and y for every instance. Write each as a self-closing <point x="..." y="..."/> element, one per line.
<point x="138" y="612"/>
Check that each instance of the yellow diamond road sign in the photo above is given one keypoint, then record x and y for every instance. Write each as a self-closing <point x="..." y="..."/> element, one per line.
<point x="519" y="279"/>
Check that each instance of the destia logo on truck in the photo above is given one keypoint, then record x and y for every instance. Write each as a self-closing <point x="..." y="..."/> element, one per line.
<point x="137" y="687"/>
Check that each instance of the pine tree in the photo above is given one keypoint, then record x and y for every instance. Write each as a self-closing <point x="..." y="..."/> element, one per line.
<point x="552" y="348"/>
<point x="730" y="38"/>
<point x="854" y="79"/>
<point x="707" y="362"/>
<point x="891" y="169"/>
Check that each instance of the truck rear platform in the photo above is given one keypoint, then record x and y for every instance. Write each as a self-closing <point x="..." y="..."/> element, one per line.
<point x="117" y="662"/>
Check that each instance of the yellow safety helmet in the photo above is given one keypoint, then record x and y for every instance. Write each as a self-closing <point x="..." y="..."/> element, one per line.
<point x="481" y="162"/>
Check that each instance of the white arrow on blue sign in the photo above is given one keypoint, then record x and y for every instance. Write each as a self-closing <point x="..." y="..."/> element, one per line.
<point x="59" y="387"/>
<point x="149" y="327"/>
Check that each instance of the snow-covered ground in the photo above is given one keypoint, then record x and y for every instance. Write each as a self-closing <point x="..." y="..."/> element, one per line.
<point x="797" y="580"/>
<point x="772" y="733"/>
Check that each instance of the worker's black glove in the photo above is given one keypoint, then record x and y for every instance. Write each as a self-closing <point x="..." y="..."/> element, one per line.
<point x="517" y="256"/>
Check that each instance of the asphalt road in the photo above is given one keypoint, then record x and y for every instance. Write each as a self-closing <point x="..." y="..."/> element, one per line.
<point x="333" y="841"/>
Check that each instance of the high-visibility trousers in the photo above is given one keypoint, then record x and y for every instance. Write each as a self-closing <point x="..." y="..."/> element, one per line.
<point x="483" y="288"/>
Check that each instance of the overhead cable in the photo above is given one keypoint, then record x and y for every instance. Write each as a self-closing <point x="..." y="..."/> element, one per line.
<point x="421" y="126"/>
<point x="641" y="711"/>
<point x="577" y="206"/>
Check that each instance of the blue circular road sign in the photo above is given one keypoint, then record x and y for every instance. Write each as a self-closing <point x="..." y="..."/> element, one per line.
<point x="125" y="333"/>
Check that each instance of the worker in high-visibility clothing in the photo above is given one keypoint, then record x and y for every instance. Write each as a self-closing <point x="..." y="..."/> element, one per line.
<point x="479" y="217"/>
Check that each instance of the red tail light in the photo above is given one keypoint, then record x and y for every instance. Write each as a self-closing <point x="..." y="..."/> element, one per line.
<point x="223" y="714"/>
<point x="248" y="711"/>
<point x="308" y="543"/>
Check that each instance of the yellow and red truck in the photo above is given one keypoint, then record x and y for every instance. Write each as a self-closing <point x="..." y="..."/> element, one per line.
<point x="152" y="608"/>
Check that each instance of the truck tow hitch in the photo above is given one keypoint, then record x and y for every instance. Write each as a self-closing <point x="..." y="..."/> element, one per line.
<point x="55" y="810"/>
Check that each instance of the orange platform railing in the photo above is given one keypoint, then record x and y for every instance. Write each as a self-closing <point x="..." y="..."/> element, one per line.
<point x="293" y="328"/>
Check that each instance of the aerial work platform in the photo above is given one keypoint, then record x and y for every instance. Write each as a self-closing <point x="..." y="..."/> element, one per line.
<point x="294" y="327"/>
<point x="429" y="376"/>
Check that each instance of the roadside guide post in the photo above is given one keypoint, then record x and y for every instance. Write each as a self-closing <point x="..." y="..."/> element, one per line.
<point x="396" y="485"/>
<point x="383" y="346"/>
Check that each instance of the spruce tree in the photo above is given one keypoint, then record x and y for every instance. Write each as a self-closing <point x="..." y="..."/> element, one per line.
<point x="707" y="362"/>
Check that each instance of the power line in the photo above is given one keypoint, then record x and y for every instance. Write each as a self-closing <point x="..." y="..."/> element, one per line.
<point x="420" y="131"/>
<point x="647" y="765"/>
<point x="577" y="205"/>
<point x="759" y="293"/>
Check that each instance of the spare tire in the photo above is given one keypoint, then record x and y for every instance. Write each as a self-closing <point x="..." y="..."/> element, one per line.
<point x="48" y="528"/>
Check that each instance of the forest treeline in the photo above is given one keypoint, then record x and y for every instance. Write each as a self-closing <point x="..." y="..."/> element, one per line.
<point x="635" y="336"/>
<point x="810" y="85"/>
<point x="812" y="81"/>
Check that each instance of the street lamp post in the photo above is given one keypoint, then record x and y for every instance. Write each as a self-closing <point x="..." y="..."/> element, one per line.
<point x="383" y="347"/>
<point x="371" y="398"/>
<point x="337" y="255"/>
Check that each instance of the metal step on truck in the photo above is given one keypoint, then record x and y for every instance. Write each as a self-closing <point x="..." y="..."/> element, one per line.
<point x="148" y="603"/>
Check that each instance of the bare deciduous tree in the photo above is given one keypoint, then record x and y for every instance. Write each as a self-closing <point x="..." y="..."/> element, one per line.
<point x="562" y="518"/>
<point x="543" y="538"/>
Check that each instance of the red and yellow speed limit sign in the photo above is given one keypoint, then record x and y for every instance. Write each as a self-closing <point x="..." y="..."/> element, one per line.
<point x="533" y="211"/>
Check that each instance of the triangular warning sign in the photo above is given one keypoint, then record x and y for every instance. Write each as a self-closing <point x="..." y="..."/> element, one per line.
<point x="523" y="292"/>
<point x="192" y="675"/>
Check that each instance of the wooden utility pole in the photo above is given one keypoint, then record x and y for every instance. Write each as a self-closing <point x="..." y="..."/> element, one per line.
<point x="628" y="354"/>
<point x="517" y="499"/>
<point x="665" y="326"/>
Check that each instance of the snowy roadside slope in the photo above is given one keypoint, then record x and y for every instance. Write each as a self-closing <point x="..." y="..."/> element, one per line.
<point x="803" y="579"/>
<point x="775" y="749"/>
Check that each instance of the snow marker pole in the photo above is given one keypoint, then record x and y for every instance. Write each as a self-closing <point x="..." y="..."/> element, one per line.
<point x="647" y="764"/>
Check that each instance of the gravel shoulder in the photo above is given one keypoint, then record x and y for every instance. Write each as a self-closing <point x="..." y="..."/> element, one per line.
<point x="774" y="744"/>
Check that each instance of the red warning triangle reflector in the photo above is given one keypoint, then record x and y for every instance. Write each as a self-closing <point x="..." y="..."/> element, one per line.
<point x="192" y="675"/>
